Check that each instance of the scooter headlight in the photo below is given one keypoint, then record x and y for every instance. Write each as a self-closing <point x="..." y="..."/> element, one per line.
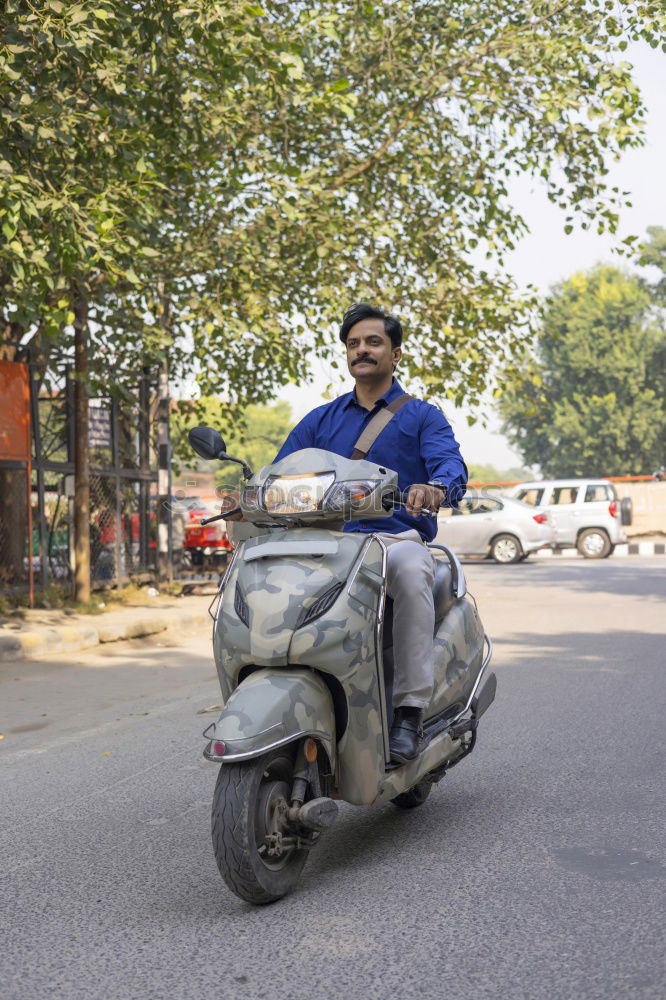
<point x="351" y="494"/>
<point x="296" y="494"/>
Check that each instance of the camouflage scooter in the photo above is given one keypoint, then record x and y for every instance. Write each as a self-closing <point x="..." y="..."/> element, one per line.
<point x="303" y="648"/>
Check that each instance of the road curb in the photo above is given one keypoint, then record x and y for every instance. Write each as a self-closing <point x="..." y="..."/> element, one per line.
<point x="35" y="643"/>
<point x="641" y="549"/>
<point x="624" y="549"/>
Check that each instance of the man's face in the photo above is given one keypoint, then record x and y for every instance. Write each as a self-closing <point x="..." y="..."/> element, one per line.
<point x="370" y="353"/>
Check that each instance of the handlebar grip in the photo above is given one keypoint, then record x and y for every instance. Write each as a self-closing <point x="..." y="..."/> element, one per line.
<point x="402" y="496"/>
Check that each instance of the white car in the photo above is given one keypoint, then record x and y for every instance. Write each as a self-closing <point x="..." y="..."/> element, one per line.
<point x="585" y="512"/>
<point x="486" y="524"/>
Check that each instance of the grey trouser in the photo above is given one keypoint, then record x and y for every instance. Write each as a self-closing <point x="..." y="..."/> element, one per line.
<point x="410" y="571"/>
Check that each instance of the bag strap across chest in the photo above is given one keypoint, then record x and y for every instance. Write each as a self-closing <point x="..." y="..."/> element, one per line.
<point x="371" y="432"/>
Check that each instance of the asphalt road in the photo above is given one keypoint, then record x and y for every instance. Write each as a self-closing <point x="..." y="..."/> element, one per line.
<point x="534" y="870"/>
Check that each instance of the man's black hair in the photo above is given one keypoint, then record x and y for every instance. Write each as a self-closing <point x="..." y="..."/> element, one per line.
<point x="362" y="310"/>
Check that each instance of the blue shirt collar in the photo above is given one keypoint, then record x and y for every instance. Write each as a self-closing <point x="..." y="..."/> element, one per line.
<point x="392" y="393"/>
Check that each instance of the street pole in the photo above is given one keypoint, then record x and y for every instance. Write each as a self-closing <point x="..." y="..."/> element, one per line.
<point x="164" y="527"/>
<point x="144" y="468"/>
<point x="81" y="453"/>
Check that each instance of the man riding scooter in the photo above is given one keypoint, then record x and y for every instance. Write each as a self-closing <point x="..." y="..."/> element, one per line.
<point x="379" y="422"/>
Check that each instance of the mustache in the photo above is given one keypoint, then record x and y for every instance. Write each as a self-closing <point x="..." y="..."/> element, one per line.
<point x="366" y="358"/>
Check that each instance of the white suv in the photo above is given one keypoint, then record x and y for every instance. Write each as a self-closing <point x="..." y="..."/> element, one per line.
<point x="586" y="513"/>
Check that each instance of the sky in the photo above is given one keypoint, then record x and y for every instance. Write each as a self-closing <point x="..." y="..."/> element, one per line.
<point x="547" y="255"/>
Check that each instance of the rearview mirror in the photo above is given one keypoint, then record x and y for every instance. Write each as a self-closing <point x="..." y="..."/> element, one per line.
<point x="207" y="442"/>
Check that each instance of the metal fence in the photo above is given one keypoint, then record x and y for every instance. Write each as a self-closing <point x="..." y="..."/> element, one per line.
<point x="123" y="529"/>
<point x="39" y="535"/>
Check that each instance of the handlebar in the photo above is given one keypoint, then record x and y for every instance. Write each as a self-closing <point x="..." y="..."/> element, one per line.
<point x="398" y="500"/>
<point x="220" y="517"/>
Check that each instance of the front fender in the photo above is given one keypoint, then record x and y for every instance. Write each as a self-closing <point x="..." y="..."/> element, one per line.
<point x="272" y="707"/>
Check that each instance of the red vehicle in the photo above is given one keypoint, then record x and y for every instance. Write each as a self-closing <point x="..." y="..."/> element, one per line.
<point x="206" y="546"/>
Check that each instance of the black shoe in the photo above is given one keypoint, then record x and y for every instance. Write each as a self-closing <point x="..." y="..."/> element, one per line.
<point x="406" y="736"/>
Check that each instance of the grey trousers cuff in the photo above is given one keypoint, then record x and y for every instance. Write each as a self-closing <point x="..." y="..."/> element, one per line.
<point x="410" y="702"/>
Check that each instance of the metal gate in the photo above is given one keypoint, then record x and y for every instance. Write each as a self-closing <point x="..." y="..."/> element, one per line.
<point x="123" y="489"/>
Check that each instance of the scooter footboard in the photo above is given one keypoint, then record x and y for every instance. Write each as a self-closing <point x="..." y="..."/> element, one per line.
<point x="271" y="707"/>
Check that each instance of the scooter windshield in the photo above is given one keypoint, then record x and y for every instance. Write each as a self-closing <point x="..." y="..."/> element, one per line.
<point x="312" y="486"/>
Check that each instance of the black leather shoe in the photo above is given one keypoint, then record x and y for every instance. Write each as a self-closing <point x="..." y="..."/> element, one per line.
<point x="406" y="736"/>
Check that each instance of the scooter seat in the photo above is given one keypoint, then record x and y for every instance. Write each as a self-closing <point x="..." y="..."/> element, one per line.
<point x="442" y="588"/>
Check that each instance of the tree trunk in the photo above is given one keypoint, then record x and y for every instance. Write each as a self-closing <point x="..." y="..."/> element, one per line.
<point x="13" y="526"/>
<point x="81" y="453"/>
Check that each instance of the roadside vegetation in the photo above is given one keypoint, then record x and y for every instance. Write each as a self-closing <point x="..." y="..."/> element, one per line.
<point x="591" y="397"/>
<point x="57" y="597"/>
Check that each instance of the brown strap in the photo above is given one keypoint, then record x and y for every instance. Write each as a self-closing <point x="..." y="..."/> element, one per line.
<point x="372" y="431"/>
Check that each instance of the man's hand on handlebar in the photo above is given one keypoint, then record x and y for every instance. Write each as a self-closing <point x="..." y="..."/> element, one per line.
<point x="230" y="501"/>
<point x="423" y="499"/>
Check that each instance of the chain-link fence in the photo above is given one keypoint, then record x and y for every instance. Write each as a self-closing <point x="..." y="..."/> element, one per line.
<point x="123" y="491"/>
<point x="53" y="562"/>
<point x="123" y="529"/>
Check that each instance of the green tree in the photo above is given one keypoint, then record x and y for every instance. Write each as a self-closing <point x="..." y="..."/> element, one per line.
<point x="585" y="405"/>
<point x="256" y="440"/>
<point x="221" y="178"/>
<point x="653" y="254"/>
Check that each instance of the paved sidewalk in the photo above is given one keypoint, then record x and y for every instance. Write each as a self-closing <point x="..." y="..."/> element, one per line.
<point x="42" y="632"/>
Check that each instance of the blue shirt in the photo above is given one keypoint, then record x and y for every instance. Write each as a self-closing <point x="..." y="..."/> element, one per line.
<point x="418" y="444"/>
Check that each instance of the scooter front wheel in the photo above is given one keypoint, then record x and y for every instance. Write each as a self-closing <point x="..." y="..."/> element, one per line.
<point x="248" y="798"/>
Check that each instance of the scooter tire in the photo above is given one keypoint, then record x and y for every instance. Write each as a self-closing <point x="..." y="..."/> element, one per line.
<point x="414" y="796"/>
<point x="236" y="828"/>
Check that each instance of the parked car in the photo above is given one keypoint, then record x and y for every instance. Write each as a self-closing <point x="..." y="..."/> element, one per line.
<point x="585" y="512"/>
<point x="486" y="524"/>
